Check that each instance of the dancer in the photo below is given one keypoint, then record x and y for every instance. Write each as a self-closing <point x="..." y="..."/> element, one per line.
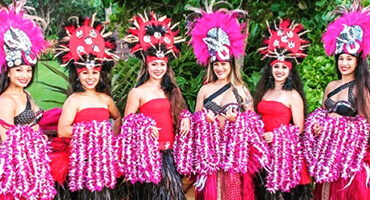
<point x="342" y="125"/>
<point x="86" y="52"/>
<point x="225" y="160"/>
<point x="158" y="99"/>
<point x="281" y="102"/>
<point x="24" y="164"/>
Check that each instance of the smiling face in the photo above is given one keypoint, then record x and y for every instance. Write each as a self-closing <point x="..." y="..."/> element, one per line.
<point x="347" y="64"/>
<point x="280" y="72"/>
<point x="20" y="76"/>
<point x="89" y="78"/>
<point x="157" y="69"/>
<point x="222" y="70"/>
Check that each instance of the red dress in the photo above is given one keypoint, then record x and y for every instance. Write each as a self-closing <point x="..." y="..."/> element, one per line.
<point x="160" y="110"/>
<point x="275" y="114"/>
<point x="60" y="145"/>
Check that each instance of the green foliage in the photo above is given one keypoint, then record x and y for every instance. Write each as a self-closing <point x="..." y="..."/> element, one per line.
<point x="316" y="71"/>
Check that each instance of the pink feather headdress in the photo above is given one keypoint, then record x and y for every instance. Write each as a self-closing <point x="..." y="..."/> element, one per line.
<point x="21" y="39"/>
<point x="217" y="35"/>
<point x="285" y="43"/>
<point x="350" y="33"/>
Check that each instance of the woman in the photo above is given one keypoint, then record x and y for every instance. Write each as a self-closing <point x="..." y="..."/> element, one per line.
<point x="218" y="39"/>
<point x="281" y="101"/>
<point x="346" y="101"/>
<point x="24" y="166"/>
<point x="158" y="99"/>
<point x="84" y="122"/>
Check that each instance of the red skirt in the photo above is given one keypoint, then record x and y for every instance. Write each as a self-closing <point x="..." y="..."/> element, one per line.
<point x="337" y="190"/>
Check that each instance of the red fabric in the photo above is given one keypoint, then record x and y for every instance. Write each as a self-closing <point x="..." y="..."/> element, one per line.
<point x="81" y="69"/>
<point x="248" y="186"/>
<point x="287" y="63"/>
<point x="357" y="190"/>
<point x="59" y="159"/>
<point x="160" y="110"/>
<point x="90" y="114"/>
<point x="231" y="185"/>
<point x="274" y="114"/>
<point x="49" y="120"/>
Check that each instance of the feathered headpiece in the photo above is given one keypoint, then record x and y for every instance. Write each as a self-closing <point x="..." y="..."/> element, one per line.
<point x="21" y="39"/>
<point x="86" y="45"/>
<point x="350" y="33"/>
<point x="151" y="37"/>
<point x="217" y="35"/>
<point x="285" y="43"/>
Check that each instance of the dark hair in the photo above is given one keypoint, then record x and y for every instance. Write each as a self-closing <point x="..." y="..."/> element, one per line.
<point x="362" y="83"/>
<point x="5" y="81"/>
<point x="170" y="88"/>
<point x="104" y="85"/>
<point x="266" y="82"/>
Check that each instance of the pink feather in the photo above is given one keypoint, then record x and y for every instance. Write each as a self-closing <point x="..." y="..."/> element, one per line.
<point x="228" y="23"/>
<point x="9" y="18"/>
<point x="359" y="18"/>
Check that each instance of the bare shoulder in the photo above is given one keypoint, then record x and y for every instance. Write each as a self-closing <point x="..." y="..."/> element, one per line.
<point x="106" y="98"/>
<point x="136" y="92"/>
<point x="331" y="86"/>
<point x="7" y="100"/>
<point x="295" y="96"/>
<point x="73" y="99"/>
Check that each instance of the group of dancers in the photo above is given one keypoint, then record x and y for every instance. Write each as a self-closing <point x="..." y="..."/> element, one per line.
<point x="234" y="146"/>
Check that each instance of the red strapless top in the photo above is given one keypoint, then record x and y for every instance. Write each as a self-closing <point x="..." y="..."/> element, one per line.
<point x="90" y="114"/>
<point x="274" y="114"/>
<point x="160" y="110"/>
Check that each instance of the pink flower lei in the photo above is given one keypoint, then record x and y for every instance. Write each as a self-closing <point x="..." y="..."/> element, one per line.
<point x="339" y="148"/>
<point x="286" y="158"/>
<point x="183" y="148"/>
<point x="24" y="165"/>
<point x="238" y="139"/>
<point x="93" y="157"/>
<point x="139" y="156"/>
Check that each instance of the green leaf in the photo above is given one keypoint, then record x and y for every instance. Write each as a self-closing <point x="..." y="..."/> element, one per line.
<point x="275" y="7"/>
<point x="56" y="71"/>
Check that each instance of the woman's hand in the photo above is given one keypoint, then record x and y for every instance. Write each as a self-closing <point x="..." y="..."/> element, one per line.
<point x="268" y="136"/>
<point x="210" y="116"/>
<point x="185" y="126"/>
<point x="231" y="114"/>
<point x="317" y="128"/>
<point x="155" y="132"/>
<point x="36" y="127"/>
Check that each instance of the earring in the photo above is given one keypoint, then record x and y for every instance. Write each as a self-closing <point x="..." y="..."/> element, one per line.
<point x="77" y="79"/>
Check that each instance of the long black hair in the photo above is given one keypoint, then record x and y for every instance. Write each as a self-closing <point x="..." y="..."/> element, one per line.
<point x="362" y="83"/>
<point x="5" y="81"/>
<point x="266" y="82"/>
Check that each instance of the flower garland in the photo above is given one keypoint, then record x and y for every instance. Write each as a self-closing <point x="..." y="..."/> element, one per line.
<point x="92" y="159"/>
<point x="207" y="151"/>
<point x="24" y="165"/>
<point x="238" y="138"/>
<point x="339" y="148"/>
<point x="286" y="159"/>
<point x="139" y="156"/>
<point x="183" y="148"/>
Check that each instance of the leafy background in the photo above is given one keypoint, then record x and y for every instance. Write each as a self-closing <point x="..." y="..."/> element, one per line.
<point x="316" y="71"/>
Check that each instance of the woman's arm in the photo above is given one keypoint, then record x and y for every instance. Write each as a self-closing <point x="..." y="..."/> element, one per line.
<point x="247" y="99"/>
<point x="200" y="99"/>
<point x="7" y="109"/>
<point x="133" y="102"/>
<point x="297" y="107"/>
<point x="69" y="110"/>
<point x="115" y="114"/>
